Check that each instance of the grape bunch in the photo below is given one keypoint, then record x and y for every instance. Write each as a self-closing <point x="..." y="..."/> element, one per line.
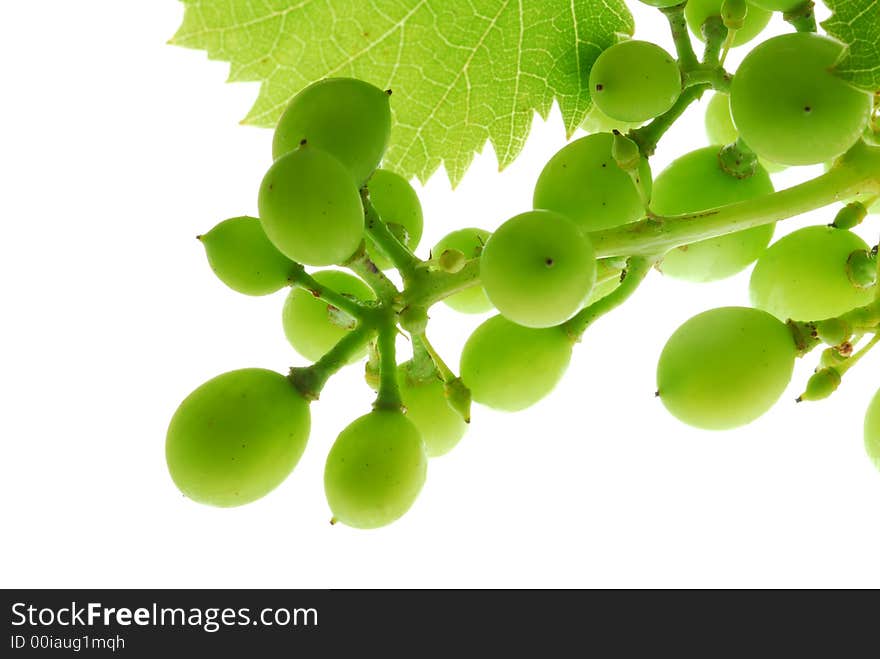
<point x="332" y="221"/>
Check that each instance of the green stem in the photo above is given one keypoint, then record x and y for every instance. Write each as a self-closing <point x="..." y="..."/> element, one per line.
<point x="445" y="372"/>
<point x="363" y="266"/>
<point x="310" y="380"/>
<point x="852" y="361"/>
<point x="433" y="286"/>
<point x="399" y="254"/>
<point x="388" y="397"/>
<point x="637" y="268"/>
<point x="716" y="77"/>
<point x="715" y="34"/>
<point x="802" y="17"/>
<point x="649" y="135"/>
<point x="684" y="47"/>
<point x="857" y="172"/>
<point x="301" y="279"/>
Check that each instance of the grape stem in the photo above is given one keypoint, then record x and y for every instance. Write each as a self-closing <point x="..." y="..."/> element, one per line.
<point x="445" y="372"/>
<point x="853" y="360"/>
<point x="715" y="33"/>
<point x="362" y="265"/>
<point x="388" y="397"/>
<point x="310" y="380"/>
<point x="637" y="268"/>
<point x="802" y="17"/>
<point x="403" y="259"/>
<point x="856" y="172"/>
<point x="301" y="279"/>
<point x="714" y="76"/>
<point x="684" y="47"/>
<point x="648" y="136"/>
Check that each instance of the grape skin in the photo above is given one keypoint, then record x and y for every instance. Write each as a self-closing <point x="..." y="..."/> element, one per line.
<point x="721" y="131"/>
<point x="375" y="470"/>
<point x="306" y="319"/>
<point x="397" y="204"/>
<point x="348" y="118"/>
<point x="697" y="11"/>
<point x="538" y="268"/>
<point x="440" y="426"/>
<point x="777" y="5"/>
<point x="872" y="430"/>
<point x="243" y="257"/>
<point x="510" y="367"/>
<point x="803" y="276"/>
<point x="790" y="108"/>
<point x="635" y="81"/>
<point x="696" y="182"/>
<point x="725" y="367"/>
<point x="237" y="437"/>
<point x="470" y="242"/>
<point x="584" y="182"/>
<point x="311" y="209"/>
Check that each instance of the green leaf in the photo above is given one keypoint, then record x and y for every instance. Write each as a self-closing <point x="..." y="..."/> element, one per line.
<point x="462" y="71"/>
<point x="857" y="24"/>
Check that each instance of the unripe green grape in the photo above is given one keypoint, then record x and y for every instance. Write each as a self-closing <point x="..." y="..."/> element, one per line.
<point x="872" y="430"/>
<point x="398" y="206"/>
<point x="243" y="257"/>
<point x="440" y="426"/>
<point x="538" y="268"/>
<point x="697" y="11"/>
<point x="724" y="368"/>
<point x="662" y="4"/>
<point x="803" y="275"/>
<point x="821" y="385"/>
<point x="469" y="242"/>
<point x="375" y="470"/>
<point x="307" y="320"/>
<point x="635" y="81"/>
<point x="311" y="208"/>
<point x="584" y="182"/>
<point x="695" y="182"/>
<point x="349" y="119"/>
<point x="790" y="108"/>
<point x="777" y="5"/>
<point x="510" y="367"/>
<point x="597" y="121"/>
<point x="237" y="437"/>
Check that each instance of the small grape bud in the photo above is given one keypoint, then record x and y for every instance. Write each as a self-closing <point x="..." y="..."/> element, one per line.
<point x="833" y="331"/>
<point x="733" y="12"/>
<point x="459" y="398"/>
<point x="821" y="384"/>
<point x="451" y="260"/>
<point x="850" y="215"/>
<point x="625" y="152"/>
<point x="738" y="160"/>
<point x="861" y="268"/>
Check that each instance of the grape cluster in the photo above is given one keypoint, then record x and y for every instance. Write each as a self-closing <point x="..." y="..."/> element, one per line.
<point x="600" y="223"/>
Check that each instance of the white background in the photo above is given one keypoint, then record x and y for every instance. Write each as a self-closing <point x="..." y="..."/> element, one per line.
<point x="116" y="150"/>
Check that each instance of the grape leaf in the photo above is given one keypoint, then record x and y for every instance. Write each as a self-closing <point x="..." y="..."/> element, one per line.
<point x="857" y="24"/>
<point x="462" y="71"/>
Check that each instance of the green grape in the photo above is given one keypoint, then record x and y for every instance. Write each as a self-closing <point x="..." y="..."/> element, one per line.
<point x="790" y="108"/>
<point x="469" y="242"/>
<point x="311" y="209"/>
<point x="695" y="182"/>
<point x="803" y="275"/>
<point x="697" y="11"/>
<point x="398" y="205"/>
<point x="872" y="430"/>
<point x="308" y="323"/>
<point x="440" y="426"/>
<point x="635" y="81"/>
<point x="237" y="437"/>
<point x="725" y="367"/>
<point x="510" y="367"/>
<point x="375" y="470"/>
<point x="597" y="121"/>
<point x="584" y="182"/>
<point x="538" y="268"/>
<point x="661" y="4"/>
<point x="719" y="124"/>
<point x="777" y="5"/>
<point x="347" y="118"/>
<point x="244" y="259"/>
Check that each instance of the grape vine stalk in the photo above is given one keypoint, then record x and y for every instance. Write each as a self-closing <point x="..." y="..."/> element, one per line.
<point x="600" y="223"/>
